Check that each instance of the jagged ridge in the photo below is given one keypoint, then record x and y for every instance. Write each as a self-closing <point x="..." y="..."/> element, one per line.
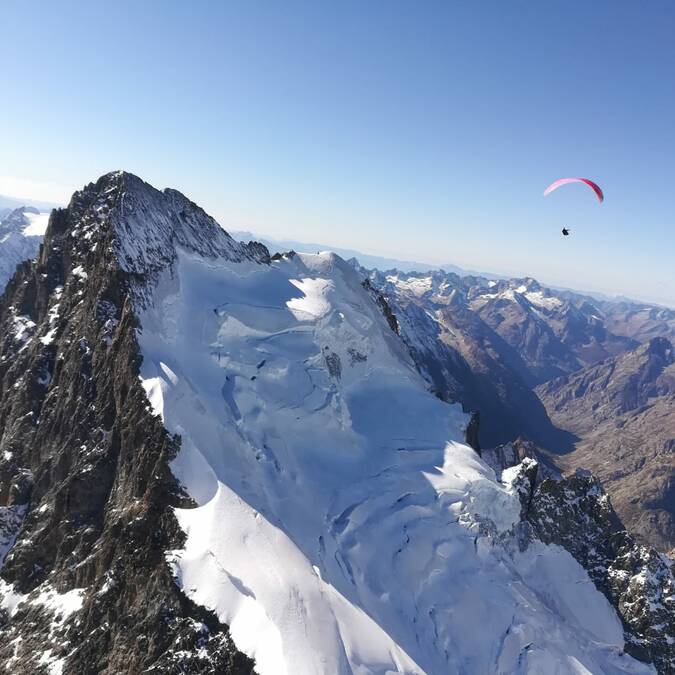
<point x="85" y="586"/>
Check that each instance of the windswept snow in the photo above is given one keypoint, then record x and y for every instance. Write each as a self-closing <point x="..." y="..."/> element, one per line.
<point x="79" y="272"/>
<point x="342" y="526"/>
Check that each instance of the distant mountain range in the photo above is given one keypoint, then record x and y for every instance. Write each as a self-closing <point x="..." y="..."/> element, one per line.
<point x="364" y="259"/>
<point x="21" y="232"/>
<point x="10" y="203"/>
<point x="384" y="264"/>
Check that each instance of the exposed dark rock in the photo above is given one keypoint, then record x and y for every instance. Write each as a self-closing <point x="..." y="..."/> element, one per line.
<point x="511" y="454"/>
<point x="81" y="452"/>
<point x="281" y="256"/>
<point x="356" y="356"/>
<point x="383" y="305"/>
<point x="333" y="363"/>
<point x="471" y="433"/>
<point x="576" y="514"/>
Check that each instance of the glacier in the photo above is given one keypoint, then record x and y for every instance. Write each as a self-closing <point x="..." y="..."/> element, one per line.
<point x="340" y="523"/>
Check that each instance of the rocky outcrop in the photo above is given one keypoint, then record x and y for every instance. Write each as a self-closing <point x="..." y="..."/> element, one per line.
<point x="576" y="514"/>
<point x="384" y="306"/>
<point x="511" y="454"/>
<point x="86" y="493"/>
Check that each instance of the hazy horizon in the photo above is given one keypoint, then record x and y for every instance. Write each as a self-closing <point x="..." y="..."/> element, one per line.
<point x="418" y="135"/>
<point x="609" y="293"/>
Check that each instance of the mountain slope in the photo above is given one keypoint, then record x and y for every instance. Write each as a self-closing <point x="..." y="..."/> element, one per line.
<point x="634" y="320"/>
<point x="554" y="333"/>
<point x="465" y="358"/>
<point x="289" y="389"/>
<point x="21" y="232"/>
<point x="623" y="411"/>
<point x="85" y="489"/>
<point x="209" y="457"/>
<point x="486" y="343"/>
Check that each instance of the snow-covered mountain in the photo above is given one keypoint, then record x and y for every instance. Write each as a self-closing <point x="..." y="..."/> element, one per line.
<point x="464" y="357"/>
<point x="490" y="343"/>
<point x="212" y="461"/>
<point x="552" y="333"/>
<point x="21" y="232"/>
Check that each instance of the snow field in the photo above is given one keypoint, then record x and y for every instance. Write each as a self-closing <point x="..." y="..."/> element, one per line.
<point x="342" y="526"/>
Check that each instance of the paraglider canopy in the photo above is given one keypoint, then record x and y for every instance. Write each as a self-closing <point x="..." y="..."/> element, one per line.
<point x="564" y="181"/>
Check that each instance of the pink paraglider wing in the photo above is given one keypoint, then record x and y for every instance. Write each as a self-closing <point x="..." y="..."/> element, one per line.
<point x="563" y="181"/>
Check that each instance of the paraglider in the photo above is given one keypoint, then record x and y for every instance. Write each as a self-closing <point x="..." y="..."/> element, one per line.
<point x="564" y="181"/>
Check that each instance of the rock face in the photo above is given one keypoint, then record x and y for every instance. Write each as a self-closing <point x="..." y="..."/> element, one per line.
<point x="576" y="514"/>
<point x="623" y="411"/>
<point x="85" y="488"/>
<point x="520" y="451"/>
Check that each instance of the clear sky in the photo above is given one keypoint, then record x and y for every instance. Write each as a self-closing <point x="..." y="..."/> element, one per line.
<point x="424" y="131"/>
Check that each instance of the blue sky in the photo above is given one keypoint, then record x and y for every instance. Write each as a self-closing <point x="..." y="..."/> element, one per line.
<point x="423" y="131"/>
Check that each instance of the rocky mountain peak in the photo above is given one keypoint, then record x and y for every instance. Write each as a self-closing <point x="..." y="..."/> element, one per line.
<point x="143" y="226"/>
<point x="85" y="488"/>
